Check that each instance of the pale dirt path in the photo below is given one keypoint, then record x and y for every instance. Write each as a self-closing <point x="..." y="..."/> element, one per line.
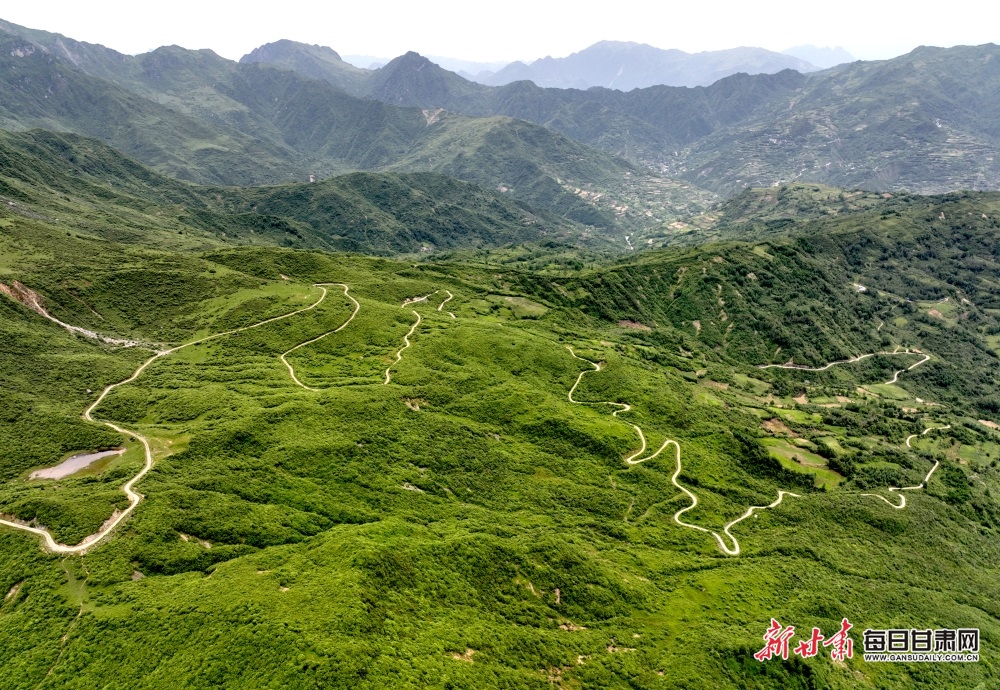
<point x="634" y="459"/>
<point x="450" y="298"/>
<point x="890" y="382"/>
<point x="29" y="298"/>
<point x="406" y="339"/>
<point x="735" y="550"/>
<point x="921" y="485"/>
<point x="414" y="300"/>
<point x="134" y="497"/>
<point x="895" y="377"/>
<point x="852" y="360"/>
<point x="357" y="308"/>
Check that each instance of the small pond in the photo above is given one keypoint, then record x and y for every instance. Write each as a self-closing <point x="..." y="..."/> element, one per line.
<point x="73" y="464"/>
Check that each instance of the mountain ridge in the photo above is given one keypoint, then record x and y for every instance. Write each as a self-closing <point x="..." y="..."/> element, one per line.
<point x="693" y="133"/>
<point x="624" y="66"/>
<point x="48" y="175"/>
<point x="255" y="124"/>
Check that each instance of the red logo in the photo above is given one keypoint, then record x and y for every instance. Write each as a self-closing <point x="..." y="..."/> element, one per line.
<point x="777" y="637"/>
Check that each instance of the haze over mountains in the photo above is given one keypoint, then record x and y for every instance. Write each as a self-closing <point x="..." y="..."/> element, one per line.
<point x="856" y="125"/>
<point x="821" y="57"/>
<point x="626" y="66"/>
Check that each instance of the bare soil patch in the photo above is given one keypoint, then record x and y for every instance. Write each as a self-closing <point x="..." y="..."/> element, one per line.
<point x="776" y="426"/>
<point x="466" y="656"/>
<point x="431" y="116"/>
<point x="625" y="323"/>
<point x="13" y="591"/>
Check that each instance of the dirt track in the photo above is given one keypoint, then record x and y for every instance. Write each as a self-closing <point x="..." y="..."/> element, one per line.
<point x="921" y="485"/>
<point x="134" y="497"/>
<point x="357" y="308"/>
<point x="634" y="459"/>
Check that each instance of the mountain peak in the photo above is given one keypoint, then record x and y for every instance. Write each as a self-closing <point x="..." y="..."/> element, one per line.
<point x="277" y="50"/>
<point x="413" y="80"/>
<point x="409" y="59"/>
<point x="313" y="61"/>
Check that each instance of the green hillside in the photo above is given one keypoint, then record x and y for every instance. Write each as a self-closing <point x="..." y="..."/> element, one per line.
<point x="198" y="117"/>
<point x="921" y="122"/>
<point x="92" y="190"/>
<point x="384" y="213"/>
<point x="38" y="90"/>
<point x="474" y="520"/>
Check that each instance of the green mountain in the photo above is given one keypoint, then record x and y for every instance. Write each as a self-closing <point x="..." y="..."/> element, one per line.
<point x="313" y="61"/>
<point x="920" y="122"/>
<point x="477" y="515"/>
<point x="39" y="89"/>
<point x="422" y="423"/>
<point x="196" y="116"/>
<point x="90" y="189"/>
<point x="851" y="126"/>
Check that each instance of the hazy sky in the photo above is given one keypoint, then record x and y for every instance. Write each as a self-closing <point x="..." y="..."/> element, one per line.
<point x="514" y="29"/>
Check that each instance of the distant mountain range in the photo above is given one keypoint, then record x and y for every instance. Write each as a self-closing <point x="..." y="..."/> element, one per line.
<point x="627" y="66"/>
<point x="465" y="68"/>
<point x="923" y="121"/>
<point x="199" y="117"/>
<point x="615" y="161"/>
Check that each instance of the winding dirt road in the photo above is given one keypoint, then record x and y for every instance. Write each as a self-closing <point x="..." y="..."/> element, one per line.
<point x="895" y="377"/>
<point x="921" y="485"/>
<point x="357" y="308"/>
<point x="892" y="381"/>
<point x="406" y="339"/>
<point x="134" y="497"/>
<point x="634" y="459"/>
<point x="450" y="298"/>
<point x="29" y="298"/>
<point x="735" y="549"/>
<point x="852" y="360"/>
